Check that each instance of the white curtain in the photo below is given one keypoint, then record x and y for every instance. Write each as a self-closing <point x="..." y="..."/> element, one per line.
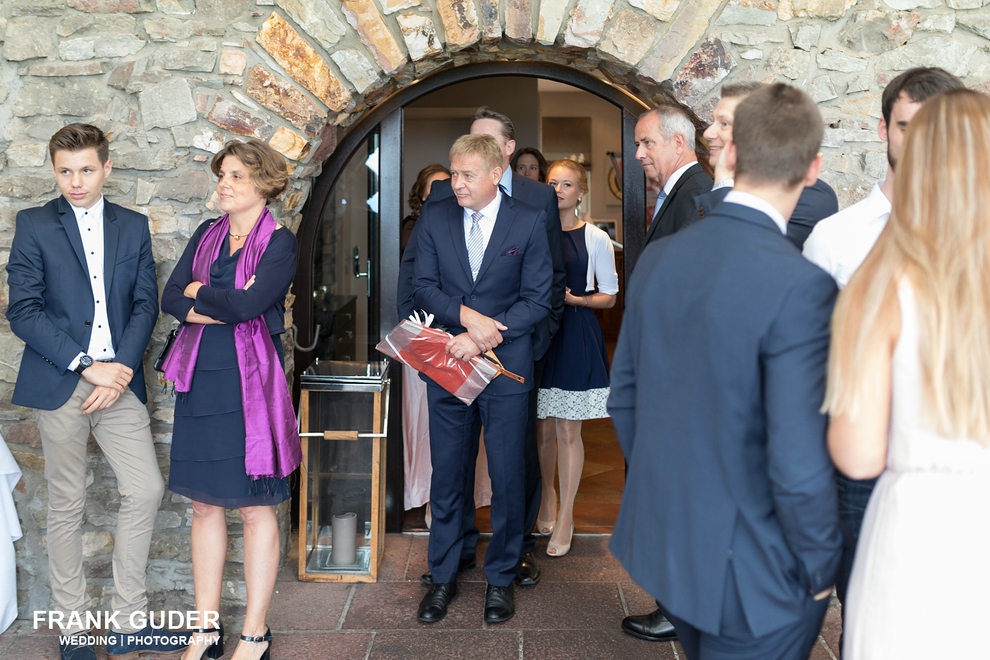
<point x="10" y="531"/>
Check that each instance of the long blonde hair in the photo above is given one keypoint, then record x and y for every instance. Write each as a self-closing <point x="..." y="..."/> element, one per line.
<point x="938" y="236"/>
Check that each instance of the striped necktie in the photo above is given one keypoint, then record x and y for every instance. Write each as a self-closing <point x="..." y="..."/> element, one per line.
<point x="475" y="244"/>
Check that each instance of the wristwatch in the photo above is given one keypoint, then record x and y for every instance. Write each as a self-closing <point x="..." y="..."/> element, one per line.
<point x="85" y="362"/>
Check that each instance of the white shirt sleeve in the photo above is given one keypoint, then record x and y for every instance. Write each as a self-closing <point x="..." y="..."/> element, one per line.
<point x="601" y="261"/>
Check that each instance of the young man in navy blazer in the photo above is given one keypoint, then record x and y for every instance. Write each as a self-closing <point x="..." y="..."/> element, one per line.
<point x="84" y="299"/>
<point x="483" y="268"/>
<point x="729" y="516"/>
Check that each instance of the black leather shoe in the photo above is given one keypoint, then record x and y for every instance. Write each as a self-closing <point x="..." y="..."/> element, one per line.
<point x="467" y="563"/>
<point x="76" y="647"/>
<point x="433" y="607"/>
<point x="529" y="571"/>
<point x="147" y="640"/>
<point x="653" y="627"/>
<point x="500" y="603"/>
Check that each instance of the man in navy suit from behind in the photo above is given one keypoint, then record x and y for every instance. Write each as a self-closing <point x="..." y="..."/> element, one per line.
<point x="483" y="268"/>
<point x="84" y="299"/>
<point x="729" y="517"/>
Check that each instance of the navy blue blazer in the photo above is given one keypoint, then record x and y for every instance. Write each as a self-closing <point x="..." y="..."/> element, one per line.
<point x="513" y="285"/>
<point x="540" y="197"/>
<point x="51" y="304"/>
<point x="717" y="381"/>
<point x="816" y="203"/>
<point x="275" y="273"/>
<point x="678" y="209"/>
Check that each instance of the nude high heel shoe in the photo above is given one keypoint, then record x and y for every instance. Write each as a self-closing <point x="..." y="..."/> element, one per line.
<point x="544" y="528"/>
<point x="560" y="549"/>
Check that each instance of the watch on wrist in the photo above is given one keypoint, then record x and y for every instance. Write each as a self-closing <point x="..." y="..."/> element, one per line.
<point x="85" y="362"/>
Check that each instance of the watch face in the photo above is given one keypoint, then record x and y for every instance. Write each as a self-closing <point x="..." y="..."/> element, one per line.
<point x="86" y="361"/>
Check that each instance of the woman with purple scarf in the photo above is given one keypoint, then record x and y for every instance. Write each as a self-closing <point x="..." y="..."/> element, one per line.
<point x="234" y="439"/>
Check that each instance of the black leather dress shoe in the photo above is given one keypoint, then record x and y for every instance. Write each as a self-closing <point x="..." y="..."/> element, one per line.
<point x="529" y="571"/>
<point x="433" y="607"/>
<point x="76" y="647"/>
<point x="500" y="603"/>
<point x="467" y="563"/>
<point x="653" y="627"/>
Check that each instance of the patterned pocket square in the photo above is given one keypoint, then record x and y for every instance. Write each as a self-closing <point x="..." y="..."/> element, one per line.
<point x="513" y="251"/>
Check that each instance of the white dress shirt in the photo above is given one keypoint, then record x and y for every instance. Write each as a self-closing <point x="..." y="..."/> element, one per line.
<point x="90" y="222"/>
<point x="487" y="222"/>
<point x="840" y="242"/>
<point x="759" y="204"/>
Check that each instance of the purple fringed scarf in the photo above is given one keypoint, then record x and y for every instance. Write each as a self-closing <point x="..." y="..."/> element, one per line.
<point x="272" y="445"/>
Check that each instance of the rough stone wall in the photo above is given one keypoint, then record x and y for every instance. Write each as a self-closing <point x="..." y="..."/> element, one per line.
<point x="174" y="79"/>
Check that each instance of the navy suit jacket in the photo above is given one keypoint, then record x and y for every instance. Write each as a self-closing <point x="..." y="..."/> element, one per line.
<point x="816" y="203"/>
<point x="542" y="198"/>
<point x="513" y="285"/>
<point x="678" y="209"/>
<point x="51" y="304"/>
<point x="717" y="381"/>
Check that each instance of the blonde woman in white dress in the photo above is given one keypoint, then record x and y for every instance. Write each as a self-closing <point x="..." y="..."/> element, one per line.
<point x="909" y="394"/>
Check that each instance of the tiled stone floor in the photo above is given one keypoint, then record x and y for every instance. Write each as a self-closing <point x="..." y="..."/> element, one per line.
<point x="574" y="613"/>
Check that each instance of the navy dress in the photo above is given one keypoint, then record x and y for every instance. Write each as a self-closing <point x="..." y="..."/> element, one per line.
<point x="207" y="462"/>
<point x="575" y="381"/>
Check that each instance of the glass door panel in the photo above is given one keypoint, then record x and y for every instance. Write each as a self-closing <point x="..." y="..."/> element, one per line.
<point x="345" y="275"/>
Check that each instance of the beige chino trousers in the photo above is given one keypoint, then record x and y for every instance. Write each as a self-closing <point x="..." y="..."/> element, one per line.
<point x="123" y="432"/>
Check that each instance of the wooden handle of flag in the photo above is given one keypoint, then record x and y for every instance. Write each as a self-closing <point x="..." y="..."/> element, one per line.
<point x="491" y="357"/>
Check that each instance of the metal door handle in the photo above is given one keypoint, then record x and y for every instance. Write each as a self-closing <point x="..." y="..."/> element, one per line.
<point x="357" y="269"/>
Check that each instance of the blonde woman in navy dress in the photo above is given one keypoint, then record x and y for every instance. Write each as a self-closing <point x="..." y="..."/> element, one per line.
<point x="234" y="440"/>
<point x="575" y="382"/>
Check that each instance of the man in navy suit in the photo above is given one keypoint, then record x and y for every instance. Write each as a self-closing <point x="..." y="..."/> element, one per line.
<point x="540" y="197"/>
<point x="729" y="516"/>
<point x="816" y="202"/>
<point x="483" y="268"/>
<point x="665" y="146"/>
<point x="84" y="298"/>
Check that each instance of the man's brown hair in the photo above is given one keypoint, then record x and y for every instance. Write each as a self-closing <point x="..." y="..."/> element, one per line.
<point x="269" y="173"/>
<point x="508" y="130"/>
<point x="740" y="90"/>
<point x="777" y="132"/>
<point x="920" y="84"/>
<point x="77" y="137"/>
<point x="478" y="144"/>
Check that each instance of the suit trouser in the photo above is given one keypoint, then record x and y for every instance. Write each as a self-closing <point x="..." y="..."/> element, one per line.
<point x="533" y="476"/>
<point x="735" y="641"/>
<point x="123" y="432"/>
<point x="454" y="449"/>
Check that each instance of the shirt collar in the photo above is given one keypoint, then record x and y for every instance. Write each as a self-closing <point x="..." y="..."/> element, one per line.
<point x="877" y="203"/>
<point x="752" y="201"/>
<point x="672" y="181"/>
<point x="491" y="211"/>
<point x="96" y="211"/>
<point x="506" y="181"/>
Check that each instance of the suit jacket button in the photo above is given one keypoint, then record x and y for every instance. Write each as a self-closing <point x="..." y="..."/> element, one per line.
<point x="89" y="323"/>
<point x="474" y="297"/>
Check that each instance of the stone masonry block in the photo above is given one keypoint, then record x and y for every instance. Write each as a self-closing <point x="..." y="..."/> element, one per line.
<point x="685" y="32"/>
<point x="368" y="23"/>
<point x="392" y="6"/>
<point x="301" y="61"/>
<point x="420" y="36"/>
<point x="27" y="38"/>
<point x="279" y="95"/>
<point x="519" y="20"/>
<point x="587" y="23"/>
<point x="167" y="104"/>
<point x="230" y="116"/>
<point x="290" y="144"/>
<point x="357" y="68"/>
<point x="707" y="66"/>
<point x="788" y="9"/>
<point x="491" y="24"/>
<point x="317" y="19"/>
<point x="112" y="6"/>
<point x="460" y="22"/>
<point x="629" y="37"/>
<point x="551" y="18"/>
<point x="662" y="10"/>
<point x="232" y="61"/>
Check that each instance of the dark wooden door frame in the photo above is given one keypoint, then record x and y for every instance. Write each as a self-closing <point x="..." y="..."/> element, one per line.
<point x="388" y="115"/>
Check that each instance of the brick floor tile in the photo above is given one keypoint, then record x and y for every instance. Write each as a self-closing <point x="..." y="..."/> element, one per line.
<point x="446" y="644"/>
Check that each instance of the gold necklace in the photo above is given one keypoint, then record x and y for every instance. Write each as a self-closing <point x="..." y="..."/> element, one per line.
<point x="237" y="237"/>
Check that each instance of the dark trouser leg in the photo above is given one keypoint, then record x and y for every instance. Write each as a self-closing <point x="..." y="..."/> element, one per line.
<point x="451" y="439"/>
<point x="504" y="419"/>
<point x="470" y="547"/>
<point x="853" y="497"/>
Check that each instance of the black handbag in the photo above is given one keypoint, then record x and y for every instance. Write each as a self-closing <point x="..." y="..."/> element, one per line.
<point x="169" y="340"/>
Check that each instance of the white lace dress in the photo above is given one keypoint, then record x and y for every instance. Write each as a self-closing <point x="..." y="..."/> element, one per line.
<point x="920" y="587"/>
